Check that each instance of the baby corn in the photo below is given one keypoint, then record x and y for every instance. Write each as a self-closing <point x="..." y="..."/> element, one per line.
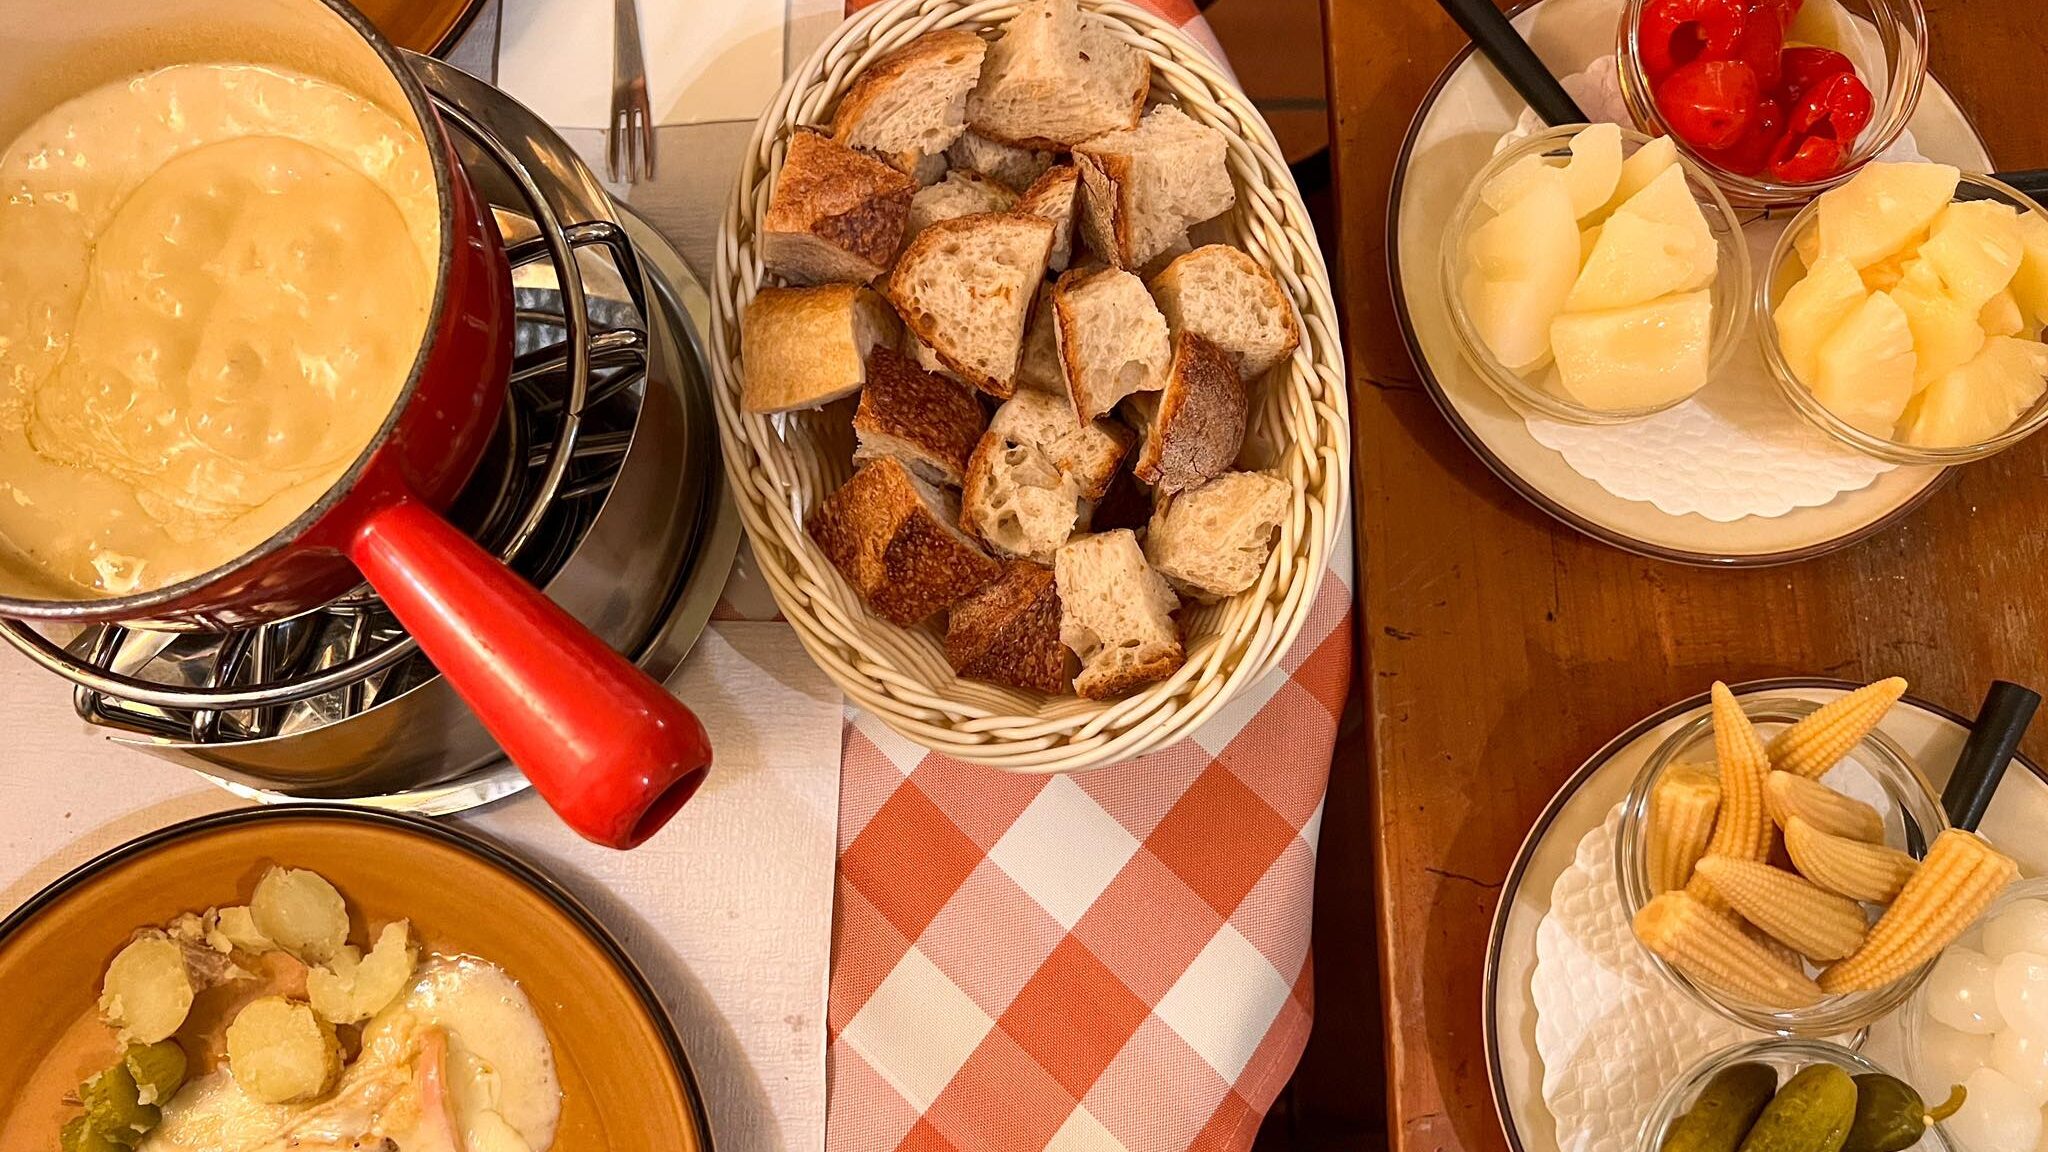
<point x="1682" y="808"/>
<point x="1743" y="829"/>
<point x="1847" y="867"/>
<point x="1818" y="925"/>
<point x="1774" y="946"/>
<point x="1787" y="795"/>
<point x="1710" y="948"/>
<point x="1961" y="875"/>
<point x="1817" y="743"/>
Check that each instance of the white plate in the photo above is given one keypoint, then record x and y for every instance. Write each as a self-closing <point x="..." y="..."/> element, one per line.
<point x="1932" y="736"/>
<point x="1454" y="133"/>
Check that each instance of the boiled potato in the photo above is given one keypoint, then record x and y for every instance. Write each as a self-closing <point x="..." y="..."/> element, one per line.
<point x="147" y="990"/>
<point x="280" y="1052"/>
<point x="353" y="988"/>
<point x="301" y="912"/>
<point x="236" y="927"/>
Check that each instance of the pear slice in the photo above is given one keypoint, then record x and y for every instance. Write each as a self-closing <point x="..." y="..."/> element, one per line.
<point x="1973" y="402"/>
<point x="1635" y="260"/>
<point x="1595" y="169"/>
<point x="1588" y="240"/>
<point x="1638" y="357"/>
<point x="1945" y="330"/>
<point x="1864" y="370"/>
<point x="1877" y="213"/>
<point x="2030" y="283"/>
<point x="1667" y="199"/>
<point x="1523" y="264"/>
<point x="1975" y="245"/>
<point x="1644" y="165"/>
<point x="1811" y="311"/>
<point x="1516" y="181"/>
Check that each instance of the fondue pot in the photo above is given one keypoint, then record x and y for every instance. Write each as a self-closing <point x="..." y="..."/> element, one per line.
<point x="604" y="744"/>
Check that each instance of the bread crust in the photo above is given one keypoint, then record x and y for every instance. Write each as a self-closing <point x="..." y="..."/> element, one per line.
<point x="1009" y="632"/>
<point x="1167" y="288"/>
<point x="900" y="553"/>
<point x="1197" y="429"/>
<point x="943" y="48"/>
<point x="800" y="347"/>
<point x="854" y="205"/>
<point x="936" y="421"/>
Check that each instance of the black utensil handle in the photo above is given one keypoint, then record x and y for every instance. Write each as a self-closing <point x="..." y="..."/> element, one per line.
<point x="2032" y="181"/>
<point x="1500" y="43"/>
<point x="1994" y="738"/>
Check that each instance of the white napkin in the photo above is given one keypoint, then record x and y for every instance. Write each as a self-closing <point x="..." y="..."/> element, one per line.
<point x="1737" y="448"/>
<point x="728" y="909"/>
<point x="706" y="60"/>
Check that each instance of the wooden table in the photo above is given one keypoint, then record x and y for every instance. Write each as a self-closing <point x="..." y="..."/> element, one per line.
<point x="1502" y="648"/>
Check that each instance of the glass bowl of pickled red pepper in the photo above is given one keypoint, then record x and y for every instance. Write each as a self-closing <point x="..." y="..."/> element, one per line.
<point x="1779" y="99"/>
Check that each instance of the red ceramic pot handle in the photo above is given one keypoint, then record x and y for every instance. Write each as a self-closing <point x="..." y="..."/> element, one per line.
<point x="608" y="748"/>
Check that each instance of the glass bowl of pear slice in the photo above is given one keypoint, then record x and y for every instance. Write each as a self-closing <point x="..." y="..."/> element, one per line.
<point x="1767" y="858"/>
<point x="1595" y="275"/>
<point x="1901" y="314"/>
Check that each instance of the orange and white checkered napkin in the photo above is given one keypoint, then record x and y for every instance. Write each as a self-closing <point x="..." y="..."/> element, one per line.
<point x="1111" y="961"/>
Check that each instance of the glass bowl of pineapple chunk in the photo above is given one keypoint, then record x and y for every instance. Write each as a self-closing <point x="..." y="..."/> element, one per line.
<point x="1902" y="314"/>
<point x="1759" y="847"/>
<point x="1595" y="275"/>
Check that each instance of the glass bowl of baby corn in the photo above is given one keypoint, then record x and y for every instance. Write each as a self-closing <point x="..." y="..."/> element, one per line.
<point x="1777" y="1093"/>
<point x="1785" y="863"/>
<point x="1981" y="1020"/>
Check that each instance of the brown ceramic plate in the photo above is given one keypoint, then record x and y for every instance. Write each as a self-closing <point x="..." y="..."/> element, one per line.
<point x="626" y="1083"/>
<point x="429" y="26"/>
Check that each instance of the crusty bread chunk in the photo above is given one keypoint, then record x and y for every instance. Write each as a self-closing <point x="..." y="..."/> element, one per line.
<point x="806" y="347"/>
<point x="1112" y="339"/>
<point x="1056" y="196"/>
<point x="1087" y="453"/>
<point x="927" y="421"/>
<point x="1116" y="615"/>
<point x="1009" y="632"/>
<point x="1213" y="541"/>
<point x="965" y="288"/>
<point x="1017" y="501"/>
<point x="1231" y="299"/>
<point x="1057" y="77"/>
<point x="1142" y="189"/>
<point x="959" y="194"/>
<point x="1016" y="167"/>
<point x="894" y="539"/>
<point x="1194" y="427"/>
<point x="835" y="215"/>
<point x="1038" y="367"/>
<point x="912" y="103"/>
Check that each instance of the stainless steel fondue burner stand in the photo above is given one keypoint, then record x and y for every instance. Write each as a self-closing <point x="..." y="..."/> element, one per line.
<point x="602" y="486"/>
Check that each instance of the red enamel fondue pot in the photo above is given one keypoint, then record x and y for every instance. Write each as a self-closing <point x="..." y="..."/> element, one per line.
<point x="604" y="744"/>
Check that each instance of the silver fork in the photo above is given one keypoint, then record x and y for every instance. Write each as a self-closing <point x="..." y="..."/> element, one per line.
<point x="632" y="125"/>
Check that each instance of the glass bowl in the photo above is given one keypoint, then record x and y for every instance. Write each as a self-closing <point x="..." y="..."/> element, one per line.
<point x="1534" y="394"/>
<point x="1877" y="771"/>
<point x="1785" y="268"/>
<point x="1787" y="1056"/>
<point x="1913" y="1021"/>
<point x="1900" y="30"/>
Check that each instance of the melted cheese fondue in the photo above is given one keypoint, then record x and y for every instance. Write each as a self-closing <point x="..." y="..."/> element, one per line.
<point x="214" y="280"/>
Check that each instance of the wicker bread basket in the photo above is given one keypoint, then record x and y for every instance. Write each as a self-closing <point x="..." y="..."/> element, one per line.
<point x="782" y="466"/>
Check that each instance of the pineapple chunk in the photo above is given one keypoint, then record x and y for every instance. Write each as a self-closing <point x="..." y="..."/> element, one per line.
<point x="1975" y="246"/>
<point x="1636" y="260"/>
<point x="2030" y="285"/>
<point x="1588" y="240"/>
<point x="1640" y="357"/>
<point x="1644" y="165"/>
<point x="1864" y="371"/>
<point x="1595" y="168"/>
<point x="1523" y="264"/>
<point x="1945" y="329"/>
<point x="1877" y="213"/>
<point x="1972" y="403"/>
<point x="1808" y="247"/>
<point x="1812" y="310"/>
<point x="1885" y="275"/>
<point x="2002" y="316"/>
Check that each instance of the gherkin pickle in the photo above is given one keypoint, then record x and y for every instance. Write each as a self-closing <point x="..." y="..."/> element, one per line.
<point x="158" y="1070"/>
<point x="114" y="1107"/>
<point x="1890" y="1115"/>
<point x="1811" y="1113"/>
<point x="1726" y="1108"/>
<point x="79" y="1136"/>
